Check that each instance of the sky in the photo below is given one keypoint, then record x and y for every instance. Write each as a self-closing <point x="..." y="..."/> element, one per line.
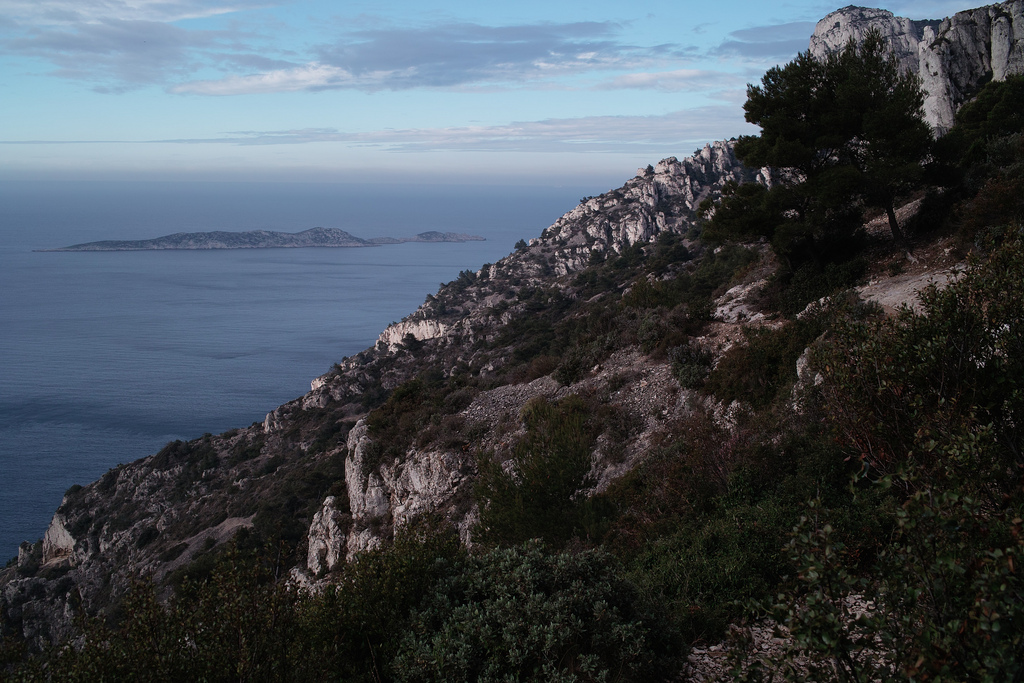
<point x="433" y="91"/>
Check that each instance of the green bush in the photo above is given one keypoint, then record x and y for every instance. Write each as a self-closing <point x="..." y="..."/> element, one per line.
<point x="690" y="365"/>
<point x="551" y="464"/>
<point x="931" y="405"/>
<point x="525" y="615"/>
<point x="765" y="367"/>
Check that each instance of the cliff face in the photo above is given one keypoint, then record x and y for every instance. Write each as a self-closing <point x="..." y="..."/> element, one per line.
<point x="322" y="475"/>
<point x="316" y="473"/>
<point x="954" y="56"/>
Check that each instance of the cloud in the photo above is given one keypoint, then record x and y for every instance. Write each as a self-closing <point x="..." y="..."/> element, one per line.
<point x="123" y="44"/>
<point x="606" y="134"/>
<point x="450" y="55"/>
<point x="781" y="41"/>
<point x="680" y="80"/>
<point x="306" y="77"/>
<point x="126" y="53"/>
<point x="72" y="12"/>
<point x="120" y="45"/>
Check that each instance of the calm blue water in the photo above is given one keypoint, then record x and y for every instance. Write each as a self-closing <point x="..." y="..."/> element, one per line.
<point x="107" y="356"/>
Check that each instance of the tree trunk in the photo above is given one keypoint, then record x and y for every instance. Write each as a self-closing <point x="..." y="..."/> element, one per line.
<point x="894" y="226"/>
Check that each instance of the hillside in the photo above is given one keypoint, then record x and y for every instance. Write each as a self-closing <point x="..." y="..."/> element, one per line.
<point x="702" y="432"/>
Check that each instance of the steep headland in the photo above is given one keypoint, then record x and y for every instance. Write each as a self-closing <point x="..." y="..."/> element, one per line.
<point x="621" y="385"/>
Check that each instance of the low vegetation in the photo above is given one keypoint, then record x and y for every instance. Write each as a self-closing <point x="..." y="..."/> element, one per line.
<point x="873" y="508"/>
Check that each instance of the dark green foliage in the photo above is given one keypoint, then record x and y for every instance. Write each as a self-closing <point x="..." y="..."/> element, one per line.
<point x="840" y="134"/>
<point x="245" y="450"/>
<point x="413" y="412"/>
<point x="525" y="615"/>
<point x="690" y="365"/>
<point x="232" y="627"/>
<point x="758" y="371"/>
<point x="997" y="112"/>
<point x="790" y="292"/>
<point x="354" y="629"/>
<point x="705" y="517"/>
<point x="387" y="618"/>
<point x="574" y="365"/>
<point x="931" y="405"/>
<point x="194" y="456"/>
<point x="901" y="388"/>
<point x="330" y="435"/>
<point x="551" y="465"/>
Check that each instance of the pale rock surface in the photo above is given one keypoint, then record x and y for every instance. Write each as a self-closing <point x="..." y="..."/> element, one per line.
<point x="386" y="497"/>
<point x="905" y="290"/>
<point x="273" y="421"/>
<point x="420" y="329"/>
<point x="57" y="542"/>
<point x="327" y="538"/>
<point x="367" y="499"/>
<point x="954" y="56"/>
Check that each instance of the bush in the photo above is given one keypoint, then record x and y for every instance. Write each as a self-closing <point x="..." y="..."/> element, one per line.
<point x="932" y="406"/>
<point x="760" y="370"/>
<point x="523" y="614"/>
<point x="690" y="365"/>
<point x="551" y="464"/>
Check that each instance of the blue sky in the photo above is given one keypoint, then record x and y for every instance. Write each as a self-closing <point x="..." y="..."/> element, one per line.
<point x="431" y="91"/>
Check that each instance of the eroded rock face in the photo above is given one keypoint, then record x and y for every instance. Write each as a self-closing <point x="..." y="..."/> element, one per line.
<point x="57" y="542"/>
<point x="421" y="330"/>
<point x="954" y="56"/>
<point x="649" y="204"/>
<point x="384" y="496"/>
<point x="327" y="538"/>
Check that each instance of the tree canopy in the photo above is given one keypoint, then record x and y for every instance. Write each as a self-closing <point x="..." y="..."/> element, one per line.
<point x="840" y="134"/>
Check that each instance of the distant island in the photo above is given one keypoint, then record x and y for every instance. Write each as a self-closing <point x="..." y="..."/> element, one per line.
<point x="263" y="239"/>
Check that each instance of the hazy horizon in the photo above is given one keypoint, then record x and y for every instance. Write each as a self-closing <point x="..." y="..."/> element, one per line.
<point x="439" y="91"/>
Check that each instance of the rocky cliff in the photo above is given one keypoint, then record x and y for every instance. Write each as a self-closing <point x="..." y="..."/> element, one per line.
<point x="954" y="56"/>
<point x="400" y="429"/>
<point x="319" y="474"/>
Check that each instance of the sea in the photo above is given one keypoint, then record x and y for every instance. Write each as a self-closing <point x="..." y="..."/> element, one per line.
<point x="106" y="356"/>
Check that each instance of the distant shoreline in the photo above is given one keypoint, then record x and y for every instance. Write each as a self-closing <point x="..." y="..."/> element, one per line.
<point x="262" y="239"/>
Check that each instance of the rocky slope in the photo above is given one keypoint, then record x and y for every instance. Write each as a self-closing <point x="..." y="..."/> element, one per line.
<point x="954" y="56"/>
<point x="338" y="470"/>
<point x="317" y="463"/>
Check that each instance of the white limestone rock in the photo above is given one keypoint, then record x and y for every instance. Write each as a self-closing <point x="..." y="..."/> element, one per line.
<point x="273" y="421"/>
<point x="954" y="57"/>
<point x="58" y="543"/>
<point x="327" y="538"/>
<point x="421" y="329"/>
<point x="389" y="495"/>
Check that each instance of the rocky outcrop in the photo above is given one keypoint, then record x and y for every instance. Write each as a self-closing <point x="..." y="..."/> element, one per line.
<point x="367" y="499"/>
<point x="954" y="57"/>
<point x="327" y="536"/>
<point x="421" y="330"/>
<point x="384" y="496"/>
<point x="665" y="199"/>
<point x="58" y="543"/>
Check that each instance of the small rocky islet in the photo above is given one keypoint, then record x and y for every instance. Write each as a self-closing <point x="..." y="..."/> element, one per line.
<point x="264" y="239"/>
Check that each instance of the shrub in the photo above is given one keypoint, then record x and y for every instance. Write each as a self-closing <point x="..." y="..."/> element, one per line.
<point x="523" y="614"/>
<point x="931" y="405"/>
<point x="551" y="464"/>
<point x="690" y="365"/>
